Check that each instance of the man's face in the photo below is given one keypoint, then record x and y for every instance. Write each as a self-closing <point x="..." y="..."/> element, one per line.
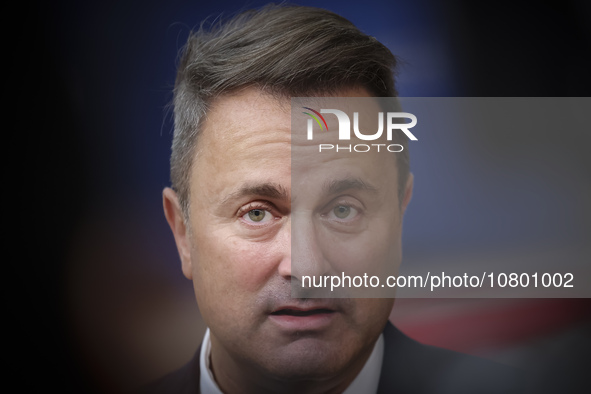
<point x="238" y="248"/>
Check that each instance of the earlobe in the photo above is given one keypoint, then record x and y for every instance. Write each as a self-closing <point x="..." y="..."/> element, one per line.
<point x="175" y="219"/>
<point x="407" y="192"/>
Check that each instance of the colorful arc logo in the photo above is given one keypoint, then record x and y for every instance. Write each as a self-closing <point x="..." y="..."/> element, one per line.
<point x="315" y="118"/>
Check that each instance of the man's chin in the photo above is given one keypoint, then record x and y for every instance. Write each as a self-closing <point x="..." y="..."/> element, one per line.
<point x="308" y="359"/>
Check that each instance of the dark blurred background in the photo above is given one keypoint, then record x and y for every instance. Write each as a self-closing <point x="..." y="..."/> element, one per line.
<point x="109" y="307"/>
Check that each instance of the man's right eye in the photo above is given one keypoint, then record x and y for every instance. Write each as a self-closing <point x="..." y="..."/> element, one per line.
<point x="258" y="216"/>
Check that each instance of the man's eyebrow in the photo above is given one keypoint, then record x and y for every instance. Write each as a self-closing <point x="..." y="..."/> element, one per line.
<point x="268" y="190"/>
<point x="340" y="185"/>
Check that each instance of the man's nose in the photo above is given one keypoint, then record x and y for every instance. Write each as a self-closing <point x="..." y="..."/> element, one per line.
<point x="307" y="257"/>
<point x="285" y="263"/>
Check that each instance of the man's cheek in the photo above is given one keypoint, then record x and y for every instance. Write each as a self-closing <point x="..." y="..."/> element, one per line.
<point x="365" y="253"/>
<point x="248" y="264"/>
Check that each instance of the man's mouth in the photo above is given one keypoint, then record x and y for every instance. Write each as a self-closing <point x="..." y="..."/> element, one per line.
<point x="301" y="312"/>
<point x="298" y="319"/>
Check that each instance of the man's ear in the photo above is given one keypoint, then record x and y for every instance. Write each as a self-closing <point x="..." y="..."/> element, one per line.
<point x="175" y="218"/>
<point x="407" y="192"/>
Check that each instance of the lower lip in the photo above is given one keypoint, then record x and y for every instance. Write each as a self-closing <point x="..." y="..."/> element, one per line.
<point x="316" y="321"/>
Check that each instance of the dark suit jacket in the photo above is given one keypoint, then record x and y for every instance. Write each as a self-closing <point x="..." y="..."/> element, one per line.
<point x="408" y="367"/>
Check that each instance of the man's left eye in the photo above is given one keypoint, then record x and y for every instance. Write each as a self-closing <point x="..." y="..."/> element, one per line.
<point x="258" y="216"/>
<point x="344" y="212"/>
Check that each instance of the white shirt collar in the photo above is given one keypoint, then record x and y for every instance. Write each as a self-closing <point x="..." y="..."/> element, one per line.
<point x="366" y="382"/>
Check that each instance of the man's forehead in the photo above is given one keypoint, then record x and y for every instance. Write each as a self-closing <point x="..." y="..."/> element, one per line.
<point x="254" y="113"/>
<point x="253" y="100"/>
<point x="249" y="102"/>
<point x="253" y="129"/>
<point x="244" y="122"/>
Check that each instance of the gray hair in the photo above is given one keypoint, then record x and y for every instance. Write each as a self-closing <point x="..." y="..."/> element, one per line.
<point x="283" y="50"/>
